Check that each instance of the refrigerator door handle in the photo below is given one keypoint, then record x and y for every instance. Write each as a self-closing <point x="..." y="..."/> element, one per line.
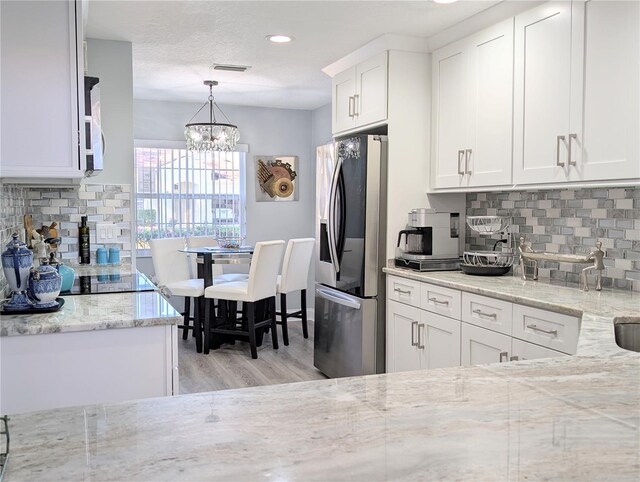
<point x="333" y="245"/>
<point x="339" y="299"/>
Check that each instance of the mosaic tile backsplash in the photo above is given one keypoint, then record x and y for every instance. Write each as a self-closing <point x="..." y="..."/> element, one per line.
<point x="12" y="207"/>
<point x="570" y="221"/>
<point x="109" y="203"/>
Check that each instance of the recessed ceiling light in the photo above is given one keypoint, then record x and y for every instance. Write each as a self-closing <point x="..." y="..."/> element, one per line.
<point x="279" y="39"/>
<point x="445" y="1"/>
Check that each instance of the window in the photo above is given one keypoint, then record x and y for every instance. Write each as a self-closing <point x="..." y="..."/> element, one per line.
<point x="182" y="193"/>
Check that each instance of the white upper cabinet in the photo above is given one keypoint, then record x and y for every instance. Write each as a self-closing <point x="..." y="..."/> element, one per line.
<point x="41" y="79"/>
<point x="609" y="141"/>
<point x="547" y="84"/>
<point x="360" y="95"/>
<point x="473" y="108"/>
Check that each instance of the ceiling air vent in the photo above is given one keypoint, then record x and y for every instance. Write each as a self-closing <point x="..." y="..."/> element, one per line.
<point x="230" y="68"/>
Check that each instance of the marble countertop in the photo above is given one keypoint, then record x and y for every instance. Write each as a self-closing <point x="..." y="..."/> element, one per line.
<point x="91" y="312"/>
<point x="566" y="418"/>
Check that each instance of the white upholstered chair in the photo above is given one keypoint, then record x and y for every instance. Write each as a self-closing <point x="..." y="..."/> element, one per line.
<point x="218" y="275"/>
<point x="260" y="286"/>
<point x="295" y="273"/>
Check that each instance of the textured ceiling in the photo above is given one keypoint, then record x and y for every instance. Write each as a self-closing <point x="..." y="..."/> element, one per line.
<point x="175" y="43"/>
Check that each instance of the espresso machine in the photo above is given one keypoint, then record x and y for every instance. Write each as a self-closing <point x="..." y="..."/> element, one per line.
<point x="431" y="242"/>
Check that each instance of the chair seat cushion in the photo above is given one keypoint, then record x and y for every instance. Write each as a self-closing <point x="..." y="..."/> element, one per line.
<point x="232" y="291"/>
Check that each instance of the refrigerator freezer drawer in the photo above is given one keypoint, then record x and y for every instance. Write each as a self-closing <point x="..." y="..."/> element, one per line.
<point x="344" y="333"/>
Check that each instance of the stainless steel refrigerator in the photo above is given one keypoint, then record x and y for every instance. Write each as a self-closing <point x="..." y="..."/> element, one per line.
<point x="349" y="327"/>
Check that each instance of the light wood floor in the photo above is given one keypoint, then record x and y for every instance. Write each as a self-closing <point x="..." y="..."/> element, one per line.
<point x="232" y="366"/>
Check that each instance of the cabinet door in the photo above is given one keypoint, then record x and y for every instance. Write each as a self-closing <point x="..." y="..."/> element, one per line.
<point x="528" y="351"/>
<point x="402" y="332"/>
<point x="39" y="90"/>
<point x="542" y="93"/>
<point x="611" y="92"/>
<point x="371" y="90"/>
<point x="490" y="124"/>
<point x="343" y="102"/>
<point x="449" y="114"/>
<point x="438" y="341"/>
<point x="481" y="346"/>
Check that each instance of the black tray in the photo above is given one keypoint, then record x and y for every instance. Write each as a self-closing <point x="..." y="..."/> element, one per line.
<point x="33" y="311"/>
<point x="484" y="270"/>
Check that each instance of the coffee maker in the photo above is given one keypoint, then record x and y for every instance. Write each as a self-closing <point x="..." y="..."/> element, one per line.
<point x="431" y="242"/>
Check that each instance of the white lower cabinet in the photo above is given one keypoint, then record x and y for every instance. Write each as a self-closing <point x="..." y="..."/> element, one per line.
<point x="430" y="326"/>
<point x="438" y="341"/>
<point x="521" y="350"/>
<point x="417" y="339"/>
<point x="481" y="346"/>
<point x="42" y="372"/>
<point x="402" y="328"/>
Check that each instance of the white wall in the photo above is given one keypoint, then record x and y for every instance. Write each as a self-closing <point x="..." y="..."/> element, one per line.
<point x="111" y="61"/>
<point x="267" y="132"/>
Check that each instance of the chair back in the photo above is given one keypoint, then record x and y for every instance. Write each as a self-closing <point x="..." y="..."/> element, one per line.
<point x="296" y="264"/>
<point x="265" y="265"/>
<point x="202" y="242"/>
<point x="169" y="264"/>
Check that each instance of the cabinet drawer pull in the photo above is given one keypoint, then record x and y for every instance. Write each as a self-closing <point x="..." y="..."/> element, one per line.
<point x="571" y="161"/>
<point x="413" y="338"/>
<point x="436" y="300"/>
<point x="542" y="330"/>
<point x="421" y="325"/>
<point x="558" y="139"/>
<point x="467" y="156"/>
<point x="351" y="106"/>
<point x="404" y="292"/>
<point x="355" y="105"/>
<point x="460" y="156"/>
<point x="488" y="315"/>
<point x="514" y="358"/>
<point x="504" y="355"/>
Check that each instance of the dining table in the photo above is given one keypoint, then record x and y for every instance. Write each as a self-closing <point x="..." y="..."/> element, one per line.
<point x="206" y="256"/>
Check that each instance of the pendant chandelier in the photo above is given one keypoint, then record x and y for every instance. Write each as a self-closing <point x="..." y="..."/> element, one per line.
<point x="212" y="135"/>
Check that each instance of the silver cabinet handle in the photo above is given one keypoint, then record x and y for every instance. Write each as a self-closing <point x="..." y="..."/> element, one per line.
<point x="436" y="300"/>
<point x="571" y="161"/>
<point x="421" y="325"/>
<point x="504" y="355"/>
<point x="351" y="106"/>
<point x="514" y="358"/>
<point x="542" y="330"/>
<point x="404" y="292"/>
<point x="413" y="340"/>
<point x="467" y="156"/>
<point x="488" y="315"/>
<point x="355" y="105"/>
<point x="460" y="156"/>
<point x="558" y="163"/>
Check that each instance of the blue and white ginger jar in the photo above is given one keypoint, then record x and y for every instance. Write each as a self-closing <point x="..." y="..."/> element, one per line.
<point x="44" y="286"/>
<point x="16" y="264"/>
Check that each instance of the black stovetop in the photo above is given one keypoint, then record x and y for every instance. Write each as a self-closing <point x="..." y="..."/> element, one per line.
<point x="109" y="283"/>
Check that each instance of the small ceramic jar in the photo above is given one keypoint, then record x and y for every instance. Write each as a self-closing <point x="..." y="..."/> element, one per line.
<point x="16" y="264"/>
<point x="44" y="286"/>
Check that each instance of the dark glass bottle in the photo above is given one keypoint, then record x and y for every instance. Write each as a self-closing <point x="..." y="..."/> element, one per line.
<point x="83" y="242"/>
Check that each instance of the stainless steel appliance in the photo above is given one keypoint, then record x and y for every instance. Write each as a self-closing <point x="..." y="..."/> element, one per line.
<point x="432" y="242"/>
<point x="93" y="128"/>
<point x="349" y="326"/>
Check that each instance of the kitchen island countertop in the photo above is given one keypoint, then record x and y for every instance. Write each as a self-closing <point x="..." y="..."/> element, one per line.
<point x="91" y="312"/>
<point x="567" y="418"/>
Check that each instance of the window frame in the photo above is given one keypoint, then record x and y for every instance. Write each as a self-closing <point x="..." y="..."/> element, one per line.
<point x="165" y="144"/>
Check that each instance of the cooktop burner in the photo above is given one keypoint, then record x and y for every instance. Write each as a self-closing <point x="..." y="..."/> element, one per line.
<point x="109" y="283"/>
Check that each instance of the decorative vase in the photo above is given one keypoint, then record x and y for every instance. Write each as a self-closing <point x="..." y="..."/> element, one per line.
<point x="16" y="264"/>
<point x="68" y="276"/>
<point x="44" y="286"/>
